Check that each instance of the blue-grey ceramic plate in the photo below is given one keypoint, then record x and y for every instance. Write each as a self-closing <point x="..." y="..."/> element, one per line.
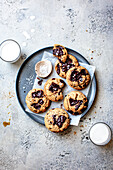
<point x="27" y="69"/>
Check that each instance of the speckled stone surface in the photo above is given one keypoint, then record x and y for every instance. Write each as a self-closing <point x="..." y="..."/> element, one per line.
<point x="85" y="26"/>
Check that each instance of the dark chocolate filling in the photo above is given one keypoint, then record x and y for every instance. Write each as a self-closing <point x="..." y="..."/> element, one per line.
<point x="67" y="65"/>
<point x="62" y="81"/>
<point x="76" y="75"/>
<point x="36" y="106"/>
<point x="54" y="87"/>
<point x="59" y="122"/>
<point x="58" y="51"/>
<point x="77" y="103"/>
<point x="58" y="69"/>
<point x="37" y="94"/>
<point x="41" y="101"/>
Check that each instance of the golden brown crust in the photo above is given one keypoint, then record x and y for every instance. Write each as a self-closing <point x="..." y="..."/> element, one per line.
<point x="56" y="94"/>
<point x="60" y="54"/>
<point x="57" y="120"/>
<point x="75" y="102"/>
<point x="78" y="78"/>
<point x="37" y="101"/>
<point x="62" y="68"/>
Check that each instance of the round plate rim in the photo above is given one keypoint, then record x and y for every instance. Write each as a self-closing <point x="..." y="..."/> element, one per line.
<point x="41" y="119"/>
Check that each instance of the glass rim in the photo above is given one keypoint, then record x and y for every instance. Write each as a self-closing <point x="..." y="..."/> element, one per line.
<point x="108" y="127"/>
<point x="19" y="52"/>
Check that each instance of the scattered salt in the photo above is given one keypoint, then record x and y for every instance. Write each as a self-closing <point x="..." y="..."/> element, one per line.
<point x="24" y="44"/>
<point x="27" y="36"/>
<point x="44" y="69"/>
<point x="32" y="30"/>
<point x="49" y="35"/>
<point x="32" y="17"/>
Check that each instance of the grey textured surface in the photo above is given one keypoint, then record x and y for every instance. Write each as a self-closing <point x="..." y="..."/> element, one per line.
<point x="85" y="26"/>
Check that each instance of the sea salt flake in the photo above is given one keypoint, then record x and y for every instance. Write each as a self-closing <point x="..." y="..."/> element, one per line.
<point x="32" y="17"/>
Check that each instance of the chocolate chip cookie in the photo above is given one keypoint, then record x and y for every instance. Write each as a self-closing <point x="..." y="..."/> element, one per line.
<point x="60" y="52"/>
<point x="57" y="120"/>
<point x="62" y="67"/>
<point x="53" y="89"/>
<point x="37" y="101"/>
<point x="75" y="102"/>
<point x="78" y="78"/>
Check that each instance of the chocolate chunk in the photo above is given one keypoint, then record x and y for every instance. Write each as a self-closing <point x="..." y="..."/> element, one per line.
<point x="40" y="82"/>
<point x="63" y="118"/>
<point x="69" y="61"/>
<point x="54" y="87"/>
<point x="64" y="67"/>
<point x="75" y="113"/>
<point x="58" y="69"/>
<point x="58" y="51"/>
<point x="37" y="94"/>
<point x="67" y="65"/>
<point x="70" y="111"/>
<point x="53" y="78"/>
<point x="73" y="102"/>
<point x="62" y="81"/>
<point x="83" y="72"/>
<point x="54" y="119"/>
<point x="86" y="104"/>
<point x="59" y="122"/>
<point x="77" y="103"/>
<point x="41" y="101"/>
<point x="76" y="75"/>
<point x="36" y="106"/>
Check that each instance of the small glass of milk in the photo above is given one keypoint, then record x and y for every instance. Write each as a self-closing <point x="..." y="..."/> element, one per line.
<point x="10" y="51"/>
<point x="100" y="133"/>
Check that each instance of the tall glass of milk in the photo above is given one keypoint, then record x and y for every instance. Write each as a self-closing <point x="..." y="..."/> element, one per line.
<point x="100" y="133"/>
<point x="10" y="51"/>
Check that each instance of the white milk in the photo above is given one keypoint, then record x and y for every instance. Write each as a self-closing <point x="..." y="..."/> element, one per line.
<point x="10" y="51"/>
<point x="100" y="134"/>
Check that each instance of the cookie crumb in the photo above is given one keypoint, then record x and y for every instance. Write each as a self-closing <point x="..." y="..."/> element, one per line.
<point x="75" y="132"/>
<point x="92" y="51"/>
<point x="81" y="126"/>
<point x="91" y="57"/>
<point x="6" y="123"/>
<point x="86" y="30"/>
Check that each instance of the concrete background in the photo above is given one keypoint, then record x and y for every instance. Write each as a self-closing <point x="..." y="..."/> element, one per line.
<point x="85" y="26"/>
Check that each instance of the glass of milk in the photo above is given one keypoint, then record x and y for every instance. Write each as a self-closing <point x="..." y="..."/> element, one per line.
<point x="10" y="51"/>
<point x="100" y="133"/>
